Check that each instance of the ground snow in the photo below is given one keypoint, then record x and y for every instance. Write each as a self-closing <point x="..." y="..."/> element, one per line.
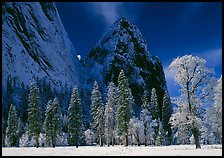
<point x="173" y="150"/>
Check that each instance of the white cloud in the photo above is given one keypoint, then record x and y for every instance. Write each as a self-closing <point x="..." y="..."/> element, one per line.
<point x="171" y="85"/>
<point x="110" y="11"/>
<point x="169" y="74"/>
<point x="213" y="57"/>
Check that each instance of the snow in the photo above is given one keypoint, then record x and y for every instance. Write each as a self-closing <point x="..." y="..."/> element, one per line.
<point x="173" y="150"/>
<point x="53" y="46"/>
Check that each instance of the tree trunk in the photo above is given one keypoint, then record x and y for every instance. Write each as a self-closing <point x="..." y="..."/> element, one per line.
<point x="145" y="133"/>
<point x="126" y="139"/>
<point x="195" y="133"/>
<point x="37" y="143"/>
<point x="112" y="139"/>
<point x="101" y="142"/>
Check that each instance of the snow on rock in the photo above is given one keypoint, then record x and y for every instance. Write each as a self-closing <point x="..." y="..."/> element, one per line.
<point x="35" y="44"/>
<point x="124" y="47"/>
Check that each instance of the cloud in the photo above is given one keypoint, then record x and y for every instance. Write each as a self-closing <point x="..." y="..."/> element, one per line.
<point x="110" y="11"/>
<point x="213" y="57"/>
<point x="171" y="85"/>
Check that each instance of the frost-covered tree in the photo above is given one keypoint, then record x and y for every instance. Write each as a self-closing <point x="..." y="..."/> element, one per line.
<point x="136" y="130"/>
<point x="97" y="111"/>
<point x="179" y="124"/>
<point x="20" y="130"/>
<point x="145" y="117"/>
<point x="110" y="111"/>
<point x="11" y="135"/>
<point x="51" y="123"/>
<point x="3" y="135"/>
<point x="154" y="104"/>
<point x="213" y="114"/>
<point x="74" y="119"/>
<point x="193" y="77"/>
<point x="34" y="113"/>
<point x="89" y="137"/>
<point x="160" y="136"/>
<point x="124" y="106"/>
<point x="154" y="109"/>
<point x="166" y="114"/>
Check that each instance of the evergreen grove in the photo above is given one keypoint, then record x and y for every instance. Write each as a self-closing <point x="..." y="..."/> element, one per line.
<point x="48" y="123"/>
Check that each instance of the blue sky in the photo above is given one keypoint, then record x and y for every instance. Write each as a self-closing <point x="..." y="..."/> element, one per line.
<point x="171" y="29"/>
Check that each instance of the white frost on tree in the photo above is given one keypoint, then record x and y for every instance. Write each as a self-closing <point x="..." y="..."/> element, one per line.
<point x="213" y="131"/>
<point x="97" y="111"/>
<point x="193" y="77"/>
<point x="11" y="130"/>
<point x="110" y="111"/>
<point x="145" y="117"/>
<point x="136" y="130"/>
<point x="89" y="137"/>
<point x="74" y="119"/>
<point x="34" y="112"/>
<point x="124" y="107"/>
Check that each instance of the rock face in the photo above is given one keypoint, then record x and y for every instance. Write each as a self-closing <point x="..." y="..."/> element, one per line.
<point x="123" y="47"/>
<point x="35" y="44"/>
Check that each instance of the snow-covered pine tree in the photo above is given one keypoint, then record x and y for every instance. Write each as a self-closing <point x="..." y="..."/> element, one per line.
<point x="11" y="135"/>
<point x="124" y="106"/>
<point x="55" y="120"/>
<point x="48" y="123"/>
<point x="20" y="130"/>
<point x="166" y="114"/>
<point x="97" y="111"/>
<point x="34" y="113"/>
<point x="160" y="136"/>
<point x="52" y="122"/>
<point x="3" y="135"/>
<point x="74" y="119"/>
<point x="154" y="111"/>
<point x="154" y="104"/>
<point x="145" y="117"/>
<point x="110" y="110"/>
<point x="194" y="78"/>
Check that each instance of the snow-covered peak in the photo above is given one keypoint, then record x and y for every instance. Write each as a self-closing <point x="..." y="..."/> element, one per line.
<point x="123" y="47"/>
<point x="122" y="37"/>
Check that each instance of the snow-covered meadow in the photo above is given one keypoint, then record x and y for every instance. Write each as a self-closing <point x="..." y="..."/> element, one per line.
<point x="173" y="150"/>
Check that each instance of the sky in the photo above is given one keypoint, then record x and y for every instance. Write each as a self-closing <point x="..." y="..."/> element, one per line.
<point x="171" y="29"/>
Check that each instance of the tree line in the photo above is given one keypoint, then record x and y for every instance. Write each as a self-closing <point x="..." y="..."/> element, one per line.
<point x="115" y="123"/>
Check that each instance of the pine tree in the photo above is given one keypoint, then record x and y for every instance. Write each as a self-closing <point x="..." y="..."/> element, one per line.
<point x="55" y="120"/>
<point x="11" y="135"/>
<point x="3" y="135"/>
<point x="34" y="113"/>
<point x="154" y="104"/>
<point x="97" y="112"/>
<point x="145" y="117"/>
<point x="74" y="119"/>
<point x="124" y="106"/>
<point x="48" y="122"/>
<point x="154" y="111"/>
<point x="166" y="114"/>
<point x="110" y="113"/>
<point x="51" y="122"/>
<point x="20" y="130"/>
<point x="160" y="135"/>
